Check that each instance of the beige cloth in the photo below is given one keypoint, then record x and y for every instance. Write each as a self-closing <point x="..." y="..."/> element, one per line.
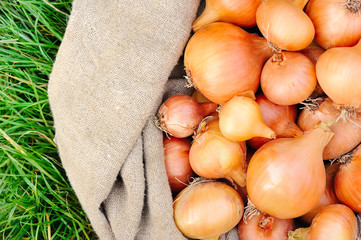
<point x="107" y="82"/>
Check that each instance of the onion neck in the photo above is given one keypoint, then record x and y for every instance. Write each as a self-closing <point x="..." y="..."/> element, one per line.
<point x="208" y="108"/>
<point x="239" y="176"/>
<point x="208" y="16"/>
<point x="300" y="3"/>
<point x="354" y="6"/>
<point x="262" y="48"/>
<point x="288" y="129"/>
<point x="318" y="137"/>
<point x="262" y="130"/>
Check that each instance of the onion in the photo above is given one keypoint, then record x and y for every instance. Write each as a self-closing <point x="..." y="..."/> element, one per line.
<point x="338" y="72"/>
<point x="286" y="177"/>
<point x="214" y="156"/>
<point x="264" y="226"/>
<point x="335" y="222"/>
<point x="328" y="197"/>
<point x="198" y="96"/>
<point x="285" y="25"/>
<point x="206" y="210"/>
<point x="180" y="115"/>
<point x="238" y="12"/>
<point x="337" y="22"/>
<point x="240" y="119"/>
<point x="222" y="60"/>
<point x="348" y="180"/>
<point x="281" y="119"/>
<point x="176" y="155"/>
<point x="346" y="134"/>
<point x="288" y="78"/>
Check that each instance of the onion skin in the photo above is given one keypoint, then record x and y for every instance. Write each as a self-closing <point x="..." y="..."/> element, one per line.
<point x="346" y="134"/>
<point x="207" y="209"/>
<point x="286" y="177"/>
<point x="178" y="168"/>
<point x="214" y="156"/>
<point x="198" y="96"/>
<point x="348" y="181"/>
<point x="240" y="119"/>
<point x="328" y="197"/>
<point x="265" y="227"/>
<point x="180" y="115"/>
<point x="281" y="119"/>
<point x="286" y="35"/>
<point x="335" y="222"/>
<point x="298" y="234"/>
<point x="338" y="72"/>
<point x="288" y="78"/>
<point x="335" y="25"/>
<point x="238" y="12"/>
<point x="222" y="60"/>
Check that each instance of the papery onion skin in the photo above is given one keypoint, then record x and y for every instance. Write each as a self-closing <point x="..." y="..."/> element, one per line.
<point x="180" y="115"/>
<point x="280" y="22"/>
<point x="265" y="227"/>
<point x="329" y="196"/>
<point x="281" y="119"/>
<point x="286" y="176"/>
<point x="335" y="25"/>
<point x="298" y="234"/>
<point x="338" y="72"/>
<point x="348" y="181"/>
<point x="240" y="119"/>
<point x="288" y="78"/>
<point x="178" y="168"/>
<point x="346" y="134"/>
<point x="335" y="222"/>
<point x="214" y="156"/>
<point x="207" y="209"/>
<point x="238" y="12"/>
<point x="222" y="60"/>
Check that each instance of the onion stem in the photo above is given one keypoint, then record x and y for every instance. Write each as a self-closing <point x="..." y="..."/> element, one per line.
<point x="354" y="6"/>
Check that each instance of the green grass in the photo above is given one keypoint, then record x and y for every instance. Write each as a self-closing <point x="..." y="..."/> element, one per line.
<point x="36" y="200"/>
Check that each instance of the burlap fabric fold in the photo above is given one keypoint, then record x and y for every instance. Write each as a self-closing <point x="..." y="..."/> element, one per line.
<point x="110" y="76"/>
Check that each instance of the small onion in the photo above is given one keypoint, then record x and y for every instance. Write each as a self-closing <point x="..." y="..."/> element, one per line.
<point x="347" y="135"/>
<point x="335" y="222"/>
<point x="337" y="22"/>
<point x="281" y="119"/>
<point x="238" y="12"/>
<point x="214" y="156"/>
<point x="286" y="177"/>
<point x="180" y="115"/>
<point x="288" y="78"/>
<point x="176" y="156"/>
<point x="222" y="60"/>
<point x="285" y="25"/>
<point x="206" y="210"/>
<point x="348" y="180"/>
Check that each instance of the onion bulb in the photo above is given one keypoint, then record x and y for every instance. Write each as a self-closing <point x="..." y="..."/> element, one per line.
<point x="178" y="168"/>
<point x="180" y="115"/>
<point x="337" y="22"/>
<point x="335" y="222"/>
<point x="328" y="197"/>
<point x="264" y="226"/>
<point x="222" y="60"/>
<point x="338" y="72"/>
<point x="286" y="177"/>
<point x="238" y="12"/>
<point x="284" y="25"/>
<point x="240" y="119"/>
<point x="214" y="156"/>
<point x="206" y="210"/>
<point x="281" y="119"/>
<point x="346" y="134"/>
<point x="348" y="180"/>
<point x="288" y="78"/>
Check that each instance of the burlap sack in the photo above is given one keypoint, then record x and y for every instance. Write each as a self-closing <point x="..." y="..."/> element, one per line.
<point x="108" y="80"/>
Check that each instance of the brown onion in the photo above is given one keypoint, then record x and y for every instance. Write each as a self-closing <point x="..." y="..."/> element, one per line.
<point x="281" y="119"/>
<point x="180" y="115"/>
<point x="288" y="78"/>
<point x="176" y="156"/>
<point x="214" y="156"/>
<point x="347" y="135"/>
<point x="222" y="60"/>
<point x="286" y="176"/>
<point x="348" y="180"/>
